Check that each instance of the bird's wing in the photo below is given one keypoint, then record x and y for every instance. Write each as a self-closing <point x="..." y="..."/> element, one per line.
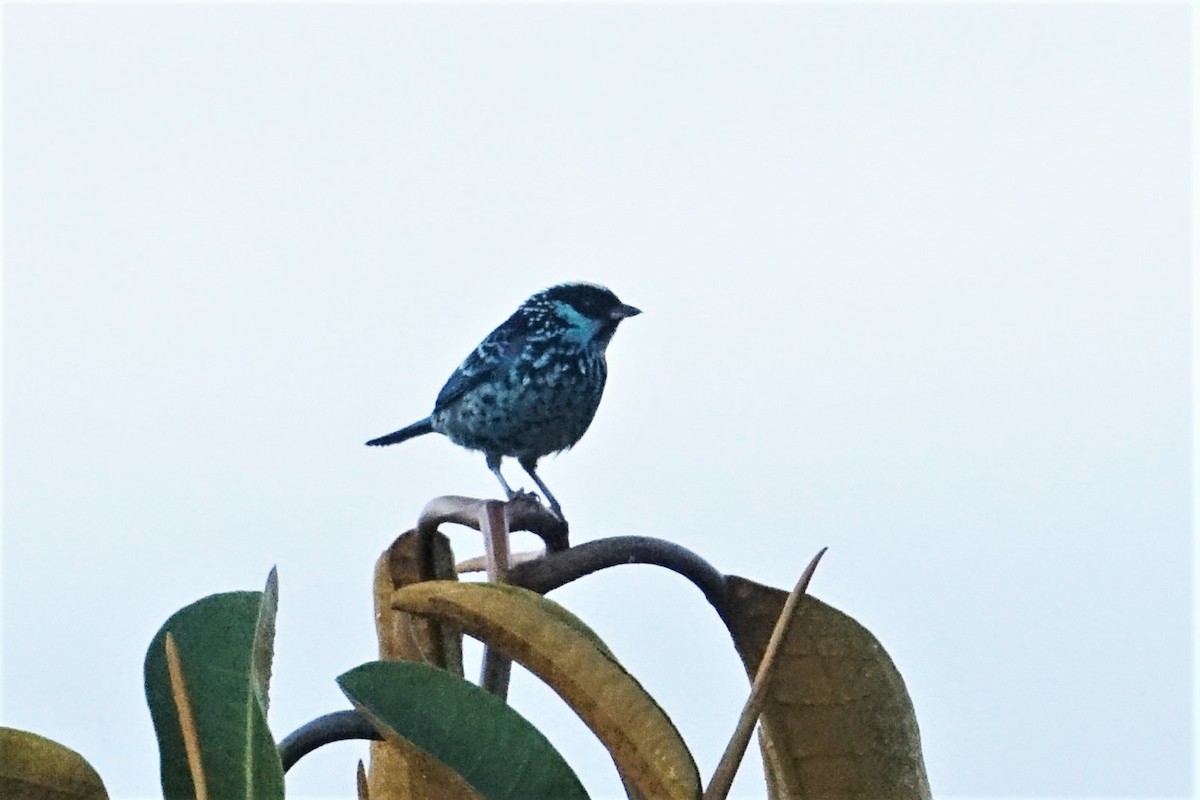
<point x="489" y="361"/>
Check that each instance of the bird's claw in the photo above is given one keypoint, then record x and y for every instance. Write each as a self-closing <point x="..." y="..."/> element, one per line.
<point x="520" y="494"/>
<point x="552" y="507"/>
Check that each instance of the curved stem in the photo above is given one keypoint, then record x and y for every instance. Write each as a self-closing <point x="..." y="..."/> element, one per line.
<point x="521" y="513"/>
<point x="540" y="575"/>
<point x="557" y="569"/>
<point x="336" y="727"/>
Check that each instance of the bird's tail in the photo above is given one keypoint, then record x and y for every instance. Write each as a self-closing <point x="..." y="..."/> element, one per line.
<point x="416" y="429"/>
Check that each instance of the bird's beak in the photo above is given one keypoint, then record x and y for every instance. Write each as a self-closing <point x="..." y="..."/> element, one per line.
<point x="624" y="312"/>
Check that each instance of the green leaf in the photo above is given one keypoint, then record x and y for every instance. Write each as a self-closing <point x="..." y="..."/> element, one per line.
<point x="264" y="638"/>
<point x="494" y="748"/>
<point x="224" y="645"/>
<point x="33" y="767"/>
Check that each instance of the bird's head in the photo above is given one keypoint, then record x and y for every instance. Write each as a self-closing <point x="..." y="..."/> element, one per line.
<point x="590" y="313"/>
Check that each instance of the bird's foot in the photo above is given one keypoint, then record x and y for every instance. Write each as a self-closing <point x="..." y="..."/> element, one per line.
<point x="521" y="494"/>
<point x="553" y="507"/>
<point x="527" y="512"/>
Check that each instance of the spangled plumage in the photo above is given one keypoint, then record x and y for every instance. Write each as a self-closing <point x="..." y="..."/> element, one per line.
<point x="532" y="386"/>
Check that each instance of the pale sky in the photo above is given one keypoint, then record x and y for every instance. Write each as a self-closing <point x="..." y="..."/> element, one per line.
<point x="916" y="285"/>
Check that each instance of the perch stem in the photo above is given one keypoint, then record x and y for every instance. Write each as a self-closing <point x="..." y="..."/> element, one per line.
<point x="496" y="669"/>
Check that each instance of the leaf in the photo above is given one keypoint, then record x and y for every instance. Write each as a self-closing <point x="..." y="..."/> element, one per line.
<point x="722" y="781"/>
<point x="565" y="653"/>
<point x="406" y="772"/>
<point x="33" y="767"/>
<point x="474" y="733"/>
<point x="554" y="611"/>
<point x="360" y="781"/>
<point x="400" y="771"/>
<point x="414" y="558"/>
<point x="264" y="639"/>
<point x="837" y="721"/>
<point x="216" y="643"/>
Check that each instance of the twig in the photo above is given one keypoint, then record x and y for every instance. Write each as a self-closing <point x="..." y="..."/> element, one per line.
<point x="522" y="513"/>
<point x="187" y="719"/>
<point x="338" y="726"/>
<point x="479" y="563"/>
<point x="557" y="569"/>
<point x="722" y="779"/>
<point x="493" y="522"/>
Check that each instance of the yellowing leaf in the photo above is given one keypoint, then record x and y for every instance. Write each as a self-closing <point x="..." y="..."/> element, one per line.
<point x="560" y="649"/>
<point x="400" y="771"/>
<point x="414" y="558"/>
<point x="837" y="721"/>
<point x="33" y="767"/>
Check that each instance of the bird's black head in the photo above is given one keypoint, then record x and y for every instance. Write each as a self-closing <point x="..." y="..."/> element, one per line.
<point x="590" y="311"/>
<point x="589" y="299"/>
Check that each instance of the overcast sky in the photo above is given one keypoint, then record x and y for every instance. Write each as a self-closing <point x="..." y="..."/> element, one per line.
<point x="916" y="287"/>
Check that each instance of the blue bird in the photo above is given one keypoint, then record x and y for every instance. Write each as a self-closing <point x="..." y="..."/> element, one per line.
<point x="533" y="385"/>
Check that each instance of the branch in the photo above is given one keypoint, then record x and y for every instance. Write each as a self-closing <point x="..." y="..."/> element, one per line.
<point x="336" y="727"/>
<point x="522" y="513"/>
<point x="540" y="575"/>
<point x="557" y="569"/>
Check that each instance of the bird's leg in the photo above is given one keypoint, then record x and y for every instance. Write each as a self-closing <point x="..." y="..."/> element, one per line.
<point x="530" y="466"/>
<point x="493" y="462"/>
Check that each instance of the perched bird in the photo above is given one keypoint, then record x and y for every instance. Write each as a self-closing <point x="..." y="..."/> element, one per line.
<point x="532" y="386"/>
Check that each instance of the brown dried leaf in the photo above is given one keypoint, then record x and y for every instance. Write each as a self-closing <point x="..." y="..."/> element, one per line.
<point x="837" y="723"/>
<point x="360" y="780"/>
<point x="399" y="770"/>
<point x="414" y="558"/>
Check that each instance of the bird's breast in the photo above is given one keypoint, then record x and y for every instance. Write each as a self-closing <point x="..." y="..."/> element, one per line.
<point x="543" y="403"/>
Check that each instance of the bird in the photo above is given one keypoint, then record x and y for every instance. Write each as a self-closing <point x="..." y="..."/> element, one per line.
<point x="532" y="386"/>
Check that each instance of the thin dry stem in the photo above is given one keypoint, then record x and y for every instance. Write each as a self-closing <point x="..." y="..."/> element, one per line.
<point x="494" y="527"/>
<point x="187" y="719"/>
<point x="496" y="670"/>
<point x="521" y="513"/>
<point x="722" y="779"/>
<point x="479" y="563"/>
<point x="364" y="793"/>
